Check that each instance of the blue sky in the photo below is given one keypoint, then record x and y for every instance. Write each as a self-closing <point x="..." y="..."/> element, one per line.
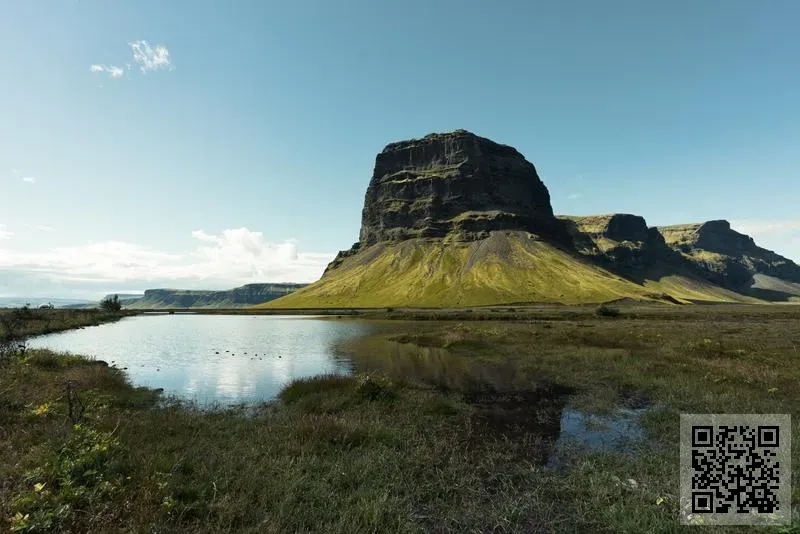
<point x="207" y="144"/>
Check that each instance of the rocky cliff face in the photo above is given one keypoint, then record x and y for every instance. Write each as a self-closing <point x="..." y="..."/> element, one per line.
<point x="726" y="256"/>
<point x="247" y="295"/>
<point x="620" y="240"/>
<point x="453" y="184"/>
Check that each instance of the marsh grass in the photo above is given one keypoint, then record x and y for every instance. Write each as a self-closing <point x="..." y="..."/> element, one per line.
<point x="384" y="451"/>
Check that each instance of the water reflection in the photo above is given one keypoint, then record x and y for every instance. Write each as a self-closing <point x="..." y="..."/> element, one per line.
<point x="507" y="404"/>
<point x="215" y="358"/>
<point x="434" y="366"/>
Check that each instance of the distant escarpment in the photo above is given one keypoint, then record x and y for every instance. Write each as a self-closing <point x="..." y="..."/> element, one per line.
<point x="246" y="295"/>
<point x="733" y="260"/>
<point x="455" y="185"/>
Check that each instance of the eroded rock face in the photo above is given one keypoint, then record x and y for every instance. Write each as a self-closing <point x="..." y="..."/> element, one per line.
<point x="726" y="256"/>
<point x="621" y="241"/>
<point x="453" y="184"/>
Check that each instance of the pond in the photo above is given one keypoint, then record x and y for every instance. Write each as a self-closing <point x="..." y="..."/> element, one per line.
<point x="214" y="359"/>
<point x="231" y="359"/>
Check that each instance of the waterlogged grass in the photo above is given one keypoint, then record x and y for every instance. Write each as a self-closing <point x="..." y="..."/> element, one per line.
<point x="399" y="447"/>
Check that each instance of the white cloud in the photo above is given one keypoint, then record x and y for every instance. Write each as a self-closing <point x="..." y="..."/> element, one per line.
<point x="14" y="171"/>
<point x="574" y="196"/>
<point x="112" y="70"/>
<point x="147" y="58"/>
<point x="762" y="227"/>
<point x="5" y="233"/>
<point x="29" y="179"/>
<point x="41" y="228"/>
<point x="780" y="235"/>
<point x="202" y="236"/>
<point x="150" y="58"/>
<point x="232" y="258"/>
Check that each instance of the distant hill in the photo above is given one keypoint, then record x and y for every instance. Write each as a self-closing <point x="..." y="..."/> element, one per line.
<point x="733" y="260"/>
<point x="455" y="220"/>
<point x="244" y="296"/>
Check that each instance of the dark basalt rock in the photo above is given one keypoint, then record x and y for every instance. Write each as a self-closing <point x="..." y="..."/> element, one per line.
<point x="453" y="184"/>
<point x="621" y="241"/>
<point x="734" y="257"/>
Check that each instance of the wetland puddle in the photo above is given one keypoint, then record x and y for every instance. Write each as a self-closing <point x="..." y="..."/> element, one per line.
<point x="509" y="406"/>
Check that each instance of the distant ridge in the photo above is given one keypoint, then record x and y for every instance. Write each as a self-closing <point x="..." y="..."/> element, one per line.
<point x="239" y="297"/>
<point x="733" y="260"/>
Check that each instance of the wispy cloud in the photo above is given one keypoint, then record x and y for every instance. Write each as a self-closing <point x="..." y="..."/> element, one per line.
<point x="40" y="227"/>
<point x="29" y="179"/>
<point x="112" y="70"/>
<point x="5" y="233"/>
<point x="230" y="258"/>
<point x="147" y="58"/>
<point x="780" y="235"/>
<point x="574" y="196"/>
<point x="150" y="58"/>
<point x="14" y="171"/>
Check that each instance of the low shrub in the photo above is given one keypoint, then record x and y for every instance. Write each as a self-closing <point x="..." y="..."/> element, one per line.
<point x="605" y="310"/>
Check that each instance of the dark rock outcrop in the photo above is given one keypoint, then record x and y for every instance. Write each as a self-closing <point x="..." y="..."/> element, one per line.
<point x="453" y="184"/>
<point x="727" y="257"/>
<point x="620" y="241"/>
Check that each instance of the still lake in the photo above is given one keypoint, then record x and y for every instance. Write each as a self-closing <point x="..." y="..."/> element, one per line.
<point x="209" y="359"/>
<point x="231" y="359"/>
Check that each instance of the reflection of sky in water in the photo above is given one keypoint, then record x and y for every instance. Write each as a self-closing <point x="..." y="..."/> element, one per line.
<point x="582" y="431"/>
<point x="179" y="352"/>
<point x="604" y="432"/>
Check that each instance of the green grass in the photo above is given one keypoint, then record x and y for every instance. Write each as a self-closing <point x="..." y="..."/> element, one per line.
<point x="508" y="267"/>
<point x="398" y="447"/>
<point x="26" y="322"/>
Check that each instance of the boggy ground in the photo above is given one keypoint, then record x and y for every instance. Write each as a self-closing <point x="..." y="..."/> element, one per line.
<point x="448" y="427"/>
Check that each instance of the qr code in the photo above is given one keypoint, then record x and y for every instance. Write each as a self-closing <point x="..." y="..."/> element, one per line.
<point x="736" y="469"/>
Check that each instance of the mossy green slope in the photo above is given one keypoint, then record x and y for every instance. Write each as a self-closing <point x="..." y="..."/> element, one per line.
<point x="505" y="268"/>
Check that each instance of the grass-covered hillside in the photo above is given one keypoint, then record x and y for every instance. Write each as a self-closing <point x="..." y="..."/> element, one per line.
<point x="507" y="267"/>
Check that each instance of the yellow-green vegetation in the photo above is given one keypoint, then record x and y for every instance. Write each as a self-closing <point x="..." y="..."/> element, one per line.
<point x="680" y="234"/>
<point x="403" y="446"/>
<point x="507" y="267"/>
<point x="590" y="224"/>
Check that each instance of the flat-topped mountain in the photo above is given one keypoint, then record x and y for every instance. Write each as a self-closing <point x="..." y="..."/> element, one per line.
<point x="453" y="184"/>
<point x="733" y="259"/>
<point x="246" y="295"/>
<point x="455" y="219"/>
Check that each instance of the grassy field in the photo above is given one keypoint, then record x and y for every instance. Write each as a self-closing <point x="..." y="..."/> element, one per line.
<point x="447" y="427"/>
<point x="23" y="322"/>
